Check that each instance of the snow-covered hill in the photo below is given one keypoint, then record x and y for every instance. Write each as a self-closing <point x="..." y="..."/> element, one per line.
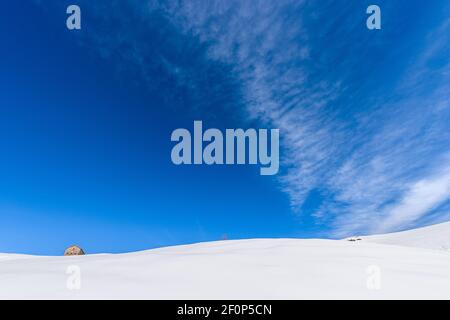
<point x="378" y="267"/>
<point x="432" y="237"/>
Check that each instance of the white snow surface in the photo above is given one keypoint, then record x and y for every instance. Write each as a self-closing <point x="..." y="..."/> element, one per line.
<point x="432" y="237"/>
<point x="408" y="265"/>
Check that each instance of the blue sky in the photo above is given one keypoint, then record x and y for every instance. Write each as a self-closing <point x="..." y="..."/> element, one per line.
<point x="86" y="118"/>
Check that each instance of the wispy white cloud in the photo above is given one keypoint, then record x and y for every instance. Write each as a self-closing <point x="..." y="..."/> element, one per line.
<point x="422" y="196"/>
<point x="377" y="170"/>
<point x="374" y="146"/>
<point x="390" y="181"/>
<point x="267" y="45"/>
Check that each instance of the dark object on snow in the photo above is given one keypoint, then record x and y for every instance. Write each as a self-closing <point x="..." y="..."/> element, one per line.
<point x="74" y="251"/>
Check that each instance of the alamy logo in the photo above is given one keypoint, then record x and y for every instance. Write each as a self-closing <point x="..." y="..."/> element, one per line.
<point x="236" y="143"/>
<point x="373" y="277"/>
<point x="73" y="281"/>
<point x="373" y="22"/>
<point x="73" y="22"/>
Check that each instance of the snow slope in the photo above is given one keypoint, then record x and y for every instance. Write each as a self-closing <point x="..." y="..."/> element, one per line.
<point x="432" y="237"/>
<point x="246" y="269"/>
